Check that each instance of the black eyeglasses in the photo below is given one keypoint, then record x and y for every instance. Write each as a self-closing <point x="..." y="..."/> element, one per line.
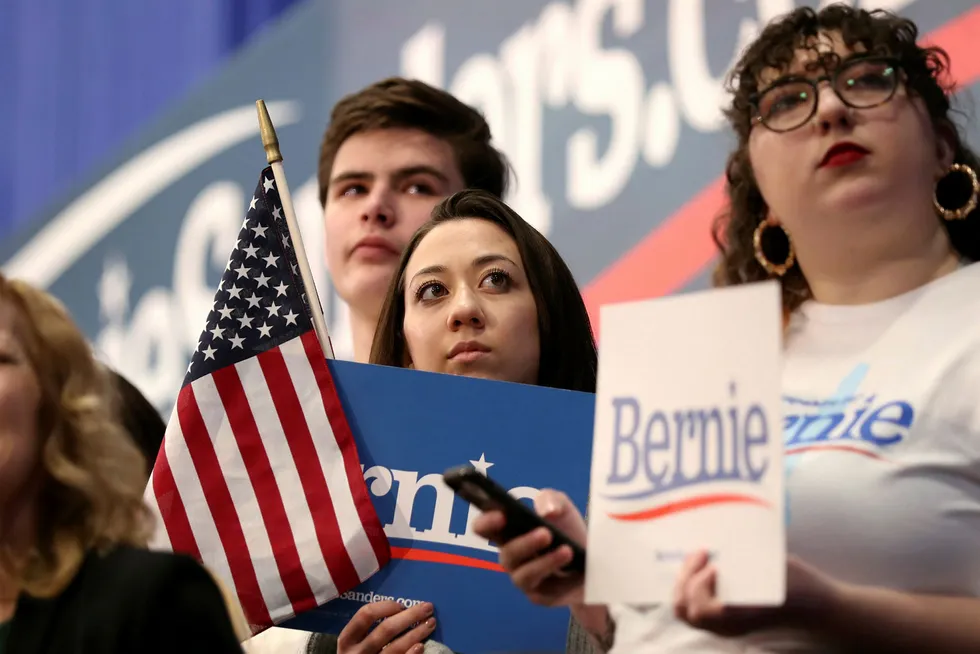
<point x="859" y="83"/>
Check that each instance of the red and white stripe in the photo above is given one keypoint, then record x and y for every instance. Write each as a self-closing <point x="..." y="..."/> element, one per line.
<point x="259" y="479"/>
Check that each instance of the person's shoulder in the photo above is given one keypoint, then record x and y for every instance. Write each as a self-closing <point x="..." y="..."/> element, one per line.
<point x="126" y="557"/>
<point x="959" y="287"/>
<point x="153" y="589"/>
<point x="147" y="569"/>
<point x="951" y="307"/>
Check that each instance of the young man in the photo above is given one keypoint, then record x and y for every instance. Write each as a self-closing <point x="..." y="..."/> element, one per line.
<point x="392" y="151"/>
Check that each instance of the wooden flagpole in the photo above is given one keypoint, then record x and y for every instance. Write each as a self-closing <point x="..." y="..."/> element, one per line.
<point x="272" y="154"/>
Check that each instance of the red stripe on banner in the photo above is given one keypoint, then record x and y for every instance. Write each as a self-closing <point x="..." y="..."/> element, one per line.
<point x="958" y="38"/>
<point x="681" y="246"/>
<point x="294" y="425"/>
<point x="345" y="441"/>
<point x="222" y="508"/>
<point x="410" y="554"/>
<point x="172" y="511"/>
<point x="263" y="480"/>
<point x="665" y="260"/>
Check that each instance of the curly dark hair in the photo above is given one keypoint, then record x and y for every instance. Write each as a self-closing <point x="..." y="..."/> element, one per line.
<point x="877" y="32"/>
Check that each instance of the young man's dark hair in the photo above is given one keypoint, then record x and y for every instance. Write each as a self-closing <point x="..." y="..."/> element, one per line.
<point x="410" y="104"/>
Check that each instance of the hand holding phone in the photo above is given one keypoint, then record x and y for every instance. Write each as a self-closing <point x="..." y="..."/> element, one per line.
<point x="487" y="495"/>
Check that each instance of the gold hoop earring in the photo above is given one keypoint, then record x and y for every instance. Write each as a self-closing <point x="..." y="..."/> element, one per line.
<point x="778" y="269"/>
<point x="971" y="203"/>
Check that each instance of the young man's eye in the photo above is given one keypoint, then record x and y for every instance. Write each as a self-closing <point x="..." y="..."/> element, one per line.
<point x="353" y="190"/>
<point x="420" y="188"/>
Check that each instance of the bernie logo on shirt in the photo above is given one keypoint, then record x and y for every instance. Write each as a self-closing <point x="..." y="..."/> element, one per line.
<point x="858" y="423"/>
<point x="688" y="459"/>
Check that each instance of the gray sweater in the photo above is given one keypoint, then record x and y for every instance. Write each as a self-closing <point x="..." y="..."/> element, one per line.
<point x="578" y="641"/>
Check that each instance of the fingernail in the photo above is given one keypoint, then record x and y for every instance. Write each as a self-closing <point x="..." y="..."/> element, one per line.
<point x="417" y="649"/>
<point x="430" y="623"/>
<point x="428" y="608"/>
<point x="549" y="507"/>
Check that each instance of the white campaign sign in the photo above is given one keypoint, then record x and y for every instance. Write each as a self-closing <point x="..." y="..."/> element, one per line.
<point x="687" y="451"/>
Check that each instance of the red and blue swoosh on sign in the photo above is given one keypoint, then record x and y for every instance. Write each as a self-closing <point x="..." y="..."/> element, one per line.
<point x="689" y="504"/>
<point x="671" y="507"/>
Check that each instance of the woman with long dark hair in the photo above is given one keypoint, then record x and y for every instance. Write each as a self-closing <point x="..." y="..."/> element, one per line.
<point x="478" y="292"/>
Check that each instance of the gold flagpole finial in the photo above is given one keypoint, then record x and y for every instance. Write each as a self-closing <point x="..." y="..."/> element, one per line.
<point x="269" y="139"/>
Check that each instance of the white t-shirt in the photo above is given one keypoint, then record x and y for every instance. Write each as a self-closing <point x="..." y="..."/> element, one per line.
<point x="882" y="431"/>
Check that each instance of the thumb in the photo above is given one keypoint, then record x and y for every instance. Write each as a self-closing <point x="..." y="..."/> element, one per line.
<point x="551" y="504"/>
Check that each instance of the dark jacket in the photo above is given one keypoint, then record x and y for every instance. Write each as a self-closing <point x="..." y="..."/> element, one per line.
<point x="126" y="602"/>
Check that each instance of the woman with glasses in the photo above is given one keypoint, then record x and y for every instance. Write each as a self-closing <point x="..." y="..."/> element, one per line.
<point x="853" y="188"/>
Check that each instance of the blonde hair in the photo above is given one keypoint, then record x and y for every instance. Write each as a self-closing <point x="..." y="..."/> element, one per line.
<point x="91" y="494"/>
<point x="239" y="623"/>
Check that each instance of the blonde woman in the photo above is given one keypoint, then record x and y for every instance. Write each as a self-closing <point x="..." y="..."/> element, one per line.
<point x="74" y="574"/>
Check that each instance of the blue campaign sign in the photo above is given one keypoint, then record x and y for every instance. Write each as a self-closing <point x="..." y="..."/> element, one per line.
<point x="410" y="427"/>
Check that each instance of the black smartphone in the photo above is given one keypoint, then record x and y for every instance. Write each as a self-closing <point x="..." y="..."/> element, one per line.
<point x="487" y="495"/>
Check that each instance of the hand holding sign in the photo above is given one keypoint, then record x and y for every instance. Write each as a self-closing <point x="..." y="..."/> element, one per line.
<point x="687" y="453"/>
<point x="400" y="631"/>
<point x="541" y="573"/>
<point x="696" y="601"/>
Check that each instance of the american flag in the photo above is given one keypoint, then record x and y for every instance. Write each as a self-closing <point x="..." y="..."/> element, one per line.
<point x="259" y="476"/>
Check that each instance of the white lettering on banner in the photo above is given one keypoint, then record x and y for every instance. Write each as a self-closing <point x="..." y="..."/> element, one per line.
<point x="210" y="227"/>
<point x="526" y="110"/>
<point x="409" y="485"/>
<point x="610" y="83"/>
<point x="370" y="597"/>
<point x="661" y="126"/>
<point x="380" y="480"/>
<point x="558" y="59"/>
<point x="100" y="209"/>
<point x="152" y="346"/>
<point x="700" y="94"/>
<point x="423" y="54"/>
